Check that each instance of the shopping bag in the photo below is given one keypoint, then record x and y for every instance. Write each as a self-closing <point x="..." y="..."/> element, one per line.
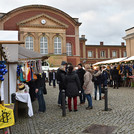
<point x="6" y="117"/>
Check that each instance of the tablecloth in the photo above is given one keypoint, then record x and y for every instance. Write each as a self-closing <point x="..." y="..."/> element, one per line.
<point x="25" y="98"/>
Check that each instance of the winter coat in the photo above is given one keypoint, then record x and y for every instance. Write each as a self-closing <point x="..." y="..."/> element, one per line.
<point x="50" y="75"/>
<point x="88" y="84"/>
<point x="61" y="78"/>
<point x="115" y="74"/>
<point x="81" y="73"/>
<point x="104" y="77"/>
<point x="97" y="74"/>
<point x="72" y="83"/>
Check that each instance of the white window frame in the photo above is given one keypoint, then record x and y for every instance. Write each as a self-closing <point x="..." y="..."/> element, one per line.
<point x="114" y="53"/>
<point x="90" y="54"/>
<point x="57" y="45"/>
<point x="29" y="43"/>
<point x="124" y="54"/>
<point x="103" y="54"/>
<point x="69" y="49"/>
<point x="44" y="46"/>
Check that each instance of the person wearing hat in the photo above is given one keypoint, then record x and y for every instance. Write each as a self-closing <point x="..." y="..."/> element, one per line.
<point x="22" y="88"/>
<point x="61" y="72"/>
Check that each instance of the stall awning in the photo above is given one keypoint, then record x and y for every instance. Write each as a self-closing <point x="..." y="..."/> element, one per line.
<point x="129" y="59"/>
<point x="26" y="54"/>
<point x="110" y="61"/>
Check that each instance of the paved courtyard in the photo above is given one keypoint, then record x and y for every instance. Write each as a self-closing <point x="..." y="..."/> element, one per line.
<point x="121" y="101"/>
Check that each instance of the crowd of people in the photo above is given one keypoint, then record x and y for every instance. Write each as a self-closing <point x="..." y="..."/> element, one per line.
<point x="85" y="81"/>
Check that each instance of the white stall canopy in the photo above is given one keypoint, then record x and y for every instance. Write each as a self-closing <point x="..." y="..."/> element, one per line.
<point x="117" y="60"/>
<point x="129" y="59"/>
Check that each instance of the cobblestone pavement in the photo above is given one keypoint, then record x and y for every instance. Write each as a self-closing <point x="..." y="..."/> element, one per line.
<point x="121" y="101"/>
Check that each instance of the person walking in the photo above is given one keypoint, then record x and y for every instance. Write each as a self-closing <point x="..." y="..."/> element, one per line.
<point x="97" y="82"/>
<point x="54" y="78"/>
<point x="39" y="85"/>
<point x="81" y="73"/>
<point x="73" y="87"/>
<point x="88" y="86"/>
<point x="50" y="77"/>
<point x="115" y="74"/>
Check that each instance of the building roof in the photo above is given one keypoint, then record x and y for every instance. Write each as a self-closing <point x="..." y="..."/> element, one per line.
<point x="1" y="14"/>
<point x="105" y="46"/>
<point x="74" y="20"/>
<point x="26" y="54"/>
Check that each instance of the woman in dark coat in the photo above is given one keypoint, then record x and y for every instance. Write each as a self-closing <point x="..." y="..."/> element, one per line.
<point x="73" y="87"/>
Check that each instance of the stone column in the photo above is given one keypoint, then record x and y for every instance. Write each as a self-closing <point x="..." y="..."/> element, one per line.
<point x="63" y="43"/>
<point x="51" y="44"/>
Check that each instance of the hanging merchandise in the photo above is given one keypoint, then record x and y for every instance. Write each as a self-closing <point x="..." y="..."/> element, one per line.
<point x="40" y="66"/>
<point x="6" y="117"/>
<point x="22" y="75"/>
<point x="18" y="70"/>
<point x="28" y="71"/>
<point x="3" y="70"/>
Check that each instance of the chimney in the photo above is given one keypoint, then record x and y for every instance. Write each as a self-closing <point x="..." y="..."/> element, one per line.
<point x="122" y="44"/>
<point x="83" y="36"/>
<point x="101" y="43"/>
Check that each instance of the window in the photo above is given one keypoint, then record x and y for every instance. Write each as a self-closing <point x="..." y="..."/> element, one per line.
<point x="124" y="54"/>
<point x="102" y="53"/>
<point x="57" y="45"/>
<point x="114" y="54"/>
<point x="69" y="49"/>
<point x="43" y="45"/>
<point x="29" y="42"/>
<point x="90" y="54"/>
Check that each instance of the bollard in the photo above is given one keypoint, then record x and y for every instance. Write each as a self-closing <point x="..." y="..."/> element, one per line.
<point x="106" y="100"/>
<point x="63" y="103"/>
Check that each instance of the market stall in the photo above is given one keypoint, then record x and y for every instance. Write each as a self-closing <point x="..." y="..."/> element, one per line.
<point x="12" y="55"/>
<point x="116" y="60"/>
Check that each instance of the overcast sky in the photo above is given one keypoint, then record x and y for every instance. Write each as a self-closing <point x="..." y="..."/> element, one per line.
<point x="102" y="20"/>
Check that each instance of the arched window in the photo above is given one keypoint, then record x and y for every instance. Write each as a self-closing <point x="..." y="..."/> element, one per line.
<point x="43" y="45"/>
<point x="69" y="49"/>
<point x="29" y="42"/>
<point x="57" y="45"/>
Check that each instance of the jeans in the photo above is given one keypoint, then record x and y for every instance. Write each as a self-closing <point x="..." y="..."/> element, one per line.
<point x="41" y="101"/>
<point x="96" y="91"/>
<point x="60" y="97"/>
<point x="89" y="99"/>
<point x="82" y="96"/>
<point x="116" y="83"/>
<point x="49" y="82"/>
<point x="54" y="84"/>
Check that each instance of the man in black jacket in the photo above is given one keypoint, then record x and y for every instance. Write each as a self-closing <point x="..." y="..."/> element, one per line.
<point x="60" y="80"/>
<point x="81" y="73"/>
<point x="50" y="77"/>
<point x="39" y="85"/>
